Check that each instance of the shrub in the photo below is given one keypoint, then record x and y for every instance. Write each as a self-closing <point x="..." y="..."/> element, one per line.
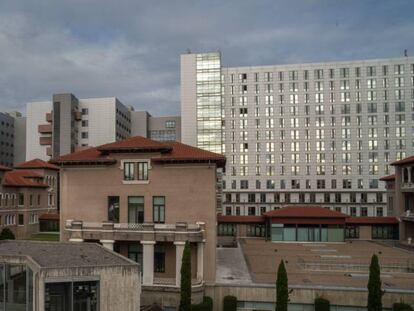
<point x="322" y="304"/>
<point x="185" y="298"/>
<point x="400" y="306"/>
<point x="229" y="303"/>
<point x="374" y="286"/>
<point x="282" y="291"/>
<point x="206" y="305"/>
<point x="7" y="234"/>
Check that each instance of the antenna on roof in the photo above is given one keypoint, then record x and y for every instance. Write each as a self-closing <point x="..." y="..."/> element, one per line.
<point x="188" y="51"/>
<point x="406" y="53"/>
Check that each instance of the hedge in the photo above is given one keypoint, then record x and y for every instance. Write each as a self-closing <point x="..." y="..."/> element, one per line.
<point x="206" y="305"/>
<point x="322" y="304"/>
<point x="402" y="307"/>
<point x="229" y="303"/>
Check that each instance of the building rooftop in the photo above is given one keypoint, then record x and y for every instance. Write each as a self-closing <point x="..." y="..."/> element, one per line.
<point x="388" y="178"/>
<point x="406" y="160"/>
<point x="305" y="211"/>
<point x="170" y="152"/>
<point x="4" y="168"/>
<point x="63" y="254"/>
<point x="325" y="264"/>
<point x="23" y="178"/>
<point x="37" y="164"/>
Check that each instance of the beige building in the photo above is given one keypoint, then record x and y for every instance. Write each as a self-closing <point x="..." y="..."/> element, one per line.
<point x="400" y="189"/>
<point x="26" y="193"/>
<point x="51" y="276"/>
<point x="144" y="199"/>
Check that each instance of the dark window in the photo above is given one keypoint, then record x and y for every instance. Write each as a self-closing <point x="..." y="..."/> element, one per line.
<point x="21" y="199"/>
<point x="158" y="209"/>
<point x="113" y="209"/>
<point x="226" y="230"/>
<point x="352" y="232"/>
<point x="256" y="230"/>
<point x="136" y="210"/>
<point x="159" y="258"/>
<point x="135" y="253"/>
<point x="252" y="210"/>
<point x="21" y="219"/>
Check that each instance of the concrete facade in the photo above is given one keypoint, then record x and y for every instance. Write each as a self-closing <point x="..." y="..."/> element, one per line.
<point x="306" y="133"/>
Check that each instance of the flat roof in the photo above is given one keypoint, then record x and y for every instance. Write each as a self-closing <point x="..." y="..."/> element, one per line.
<point x="64" y="254"/>
<point x="322" y="264"/>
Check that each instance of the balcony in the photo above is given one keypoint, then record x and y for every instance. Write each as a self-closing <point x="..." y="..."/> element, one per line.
<point x="49" y="151"/>
<point x="135" y="232"/>
<point x="49" y="117"/>
<point x="408" y="216"/>
<point x="407" y="186"/>
<point x="45" y="141"/>
<point x="45" y="128"/>
<point x="77" y="115"/>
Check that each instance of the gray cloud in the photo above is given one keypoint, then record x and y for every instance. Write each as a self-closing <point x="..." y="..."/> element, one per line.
<point x="130" y="49"/>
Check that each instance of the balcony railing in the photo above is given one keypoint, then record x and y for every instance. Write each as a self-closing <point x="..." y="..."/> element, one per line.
<point x="407" y="186"/>
<point x="135" y="231"/>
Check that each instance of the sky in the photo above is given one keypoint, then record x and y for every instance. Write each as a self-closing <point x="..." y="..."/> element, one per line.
<point x="131" y="49"/>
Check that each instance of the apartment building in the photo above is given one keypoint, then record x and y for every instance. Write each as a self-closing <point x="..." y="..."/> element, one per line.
<point x="67" y="123"/>
<point x="317" y="133"/>
<point x="157" y="128"/>
<point x="54" y="276"/>
<point x="144" y="199"/>
<point x="27" y="192"/>
<point x="6" y="140"/>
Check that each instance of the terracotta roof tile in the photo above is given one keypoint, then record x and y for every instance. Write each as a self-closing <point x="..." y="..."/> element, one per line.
<point x="49" y="216"/>
<point x="170" y="152"/>
<point x="372" y="220"/>
<point x="37" y="163"/>
<point x="304" y="211"/>
<point x="240" y="219"/>
<point x="388" y="178"/>
<point x="23" y="178"/>
<point x="5" y="168"/>
<point x="407" y="160"/>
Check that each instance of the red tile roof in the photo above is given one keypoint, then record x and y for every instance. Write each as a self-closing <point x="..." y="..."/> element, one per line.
<point x="36" y="164"/>
<point x="407" y="160"/>
<point x="372" y="220"/>
<point x="183" y="153"/>
<point x="49" y="216"/>
<point x="304" y="211"/>
<point x="388" y="178"/>
<point x="23" y="178"/>
<point x="171" y="152"/>
<point x="240" y="219"/>
<point x="5" y="168"/>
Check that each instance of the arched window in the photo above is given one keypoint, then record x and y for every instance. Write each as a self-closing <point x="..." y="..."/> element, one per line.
<point x="412" y="174"/>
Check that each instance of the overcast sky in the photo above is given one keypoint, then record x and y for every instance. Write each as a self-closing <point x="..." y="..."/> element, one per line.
<point x="130" y="49"/>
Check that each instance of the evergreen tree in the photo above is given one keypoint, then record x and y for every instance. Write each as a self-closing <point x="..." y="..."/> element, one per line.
<point x="7" y="234"/>
<point x="374" y="286"/>
<point x="185" y="299"/>
<point x="282" y="291"/>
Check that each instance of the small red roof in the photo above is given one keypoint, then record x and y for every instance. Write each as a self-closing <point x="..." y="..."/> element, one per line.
<point x="407" y="160"/>
<point x="304" y="211"/>
<point x="49" y="216"/>
<point x="23" y="178"/>
<point x="171" y="152"/>
<point x="36" y="164"/>
<point x="239" y="219"/>
<point x="372" y="220"/>
<point x="388" y="178"/>
<point x="5" y="168"/>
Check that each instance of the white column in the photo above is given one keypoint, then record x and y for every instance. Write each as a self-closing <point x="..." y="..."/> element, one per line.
<point x="179" y="249"/>
<point x="200" y="261"/>
<point x="75" y="240"/>
<point x="148" y="262"/>
<point x="109" y="244"/>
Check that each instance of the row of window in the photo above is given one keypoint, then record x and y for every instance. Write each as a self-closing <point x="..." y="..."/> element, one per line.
<point x="136" y="209"/>
<point x="318" y="74"/>
<point x="10" y="219"/>
<point x="135" y="171"/>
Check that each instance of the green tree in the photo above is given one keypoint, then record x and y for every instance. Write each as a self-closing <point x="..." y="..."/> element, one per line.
<point x="282" y="291"/>
<point x="322" y="304"/>
<point x="374" y="286"/>
<point x="185" y="298"/>
<point x="7" y="234"/>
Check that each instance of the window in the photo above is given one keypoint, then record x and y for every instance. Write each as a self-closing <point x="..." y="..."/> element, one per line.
<point x="135" y="253"/>
<point x="85" y="123"/>
<point x="141" y="169"/>
<point x="21" y="219"/>
<point x="159" y="258"/>
<point x="85" y="111"/>
<point x="84" y="134"/>
<point x="170" y="124"/>
<point x="135" y="210"/>
<point x="251" y="210"/>
<point x="158" y="209"/>
<point x="21" y="199"/>
<point x="113" y="209"/>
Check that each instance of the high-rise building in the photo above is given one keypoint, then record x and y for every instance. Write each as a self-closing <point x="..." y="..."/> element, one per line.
<point x="67" y="123"/>
<point x="303" y="133"/>
<point x="12" y="138"/>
